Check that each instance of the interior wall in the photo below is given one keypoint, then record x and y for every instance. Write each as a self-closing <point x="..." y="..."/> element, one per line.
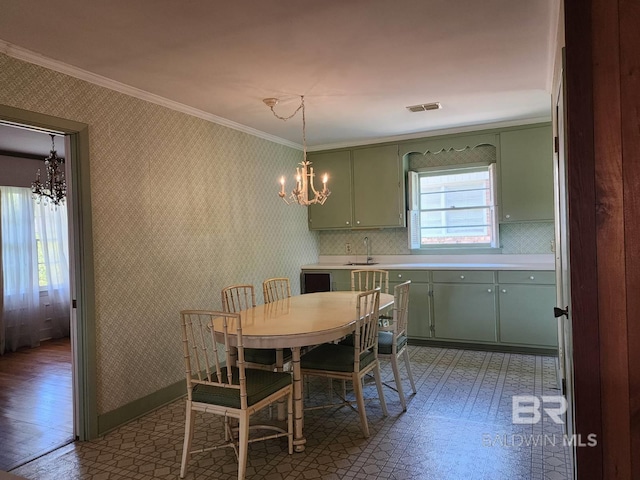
<point x="181" y="207"/>
<point x="18" y="172"/>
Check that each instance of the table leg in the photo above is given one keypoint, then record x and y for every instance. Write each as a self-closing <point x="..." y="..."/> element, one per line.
<point x="279" y="363"/>
<point x="298" y="407"/>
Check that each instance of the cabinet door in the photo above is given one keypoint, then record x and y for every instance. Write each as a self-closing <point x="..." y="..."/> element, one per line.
<point x="378" y="187"/>
<point x="464" y="312"/>
<point x="526" y="315"/>
<point x="526" y="174"/>
<point x="419" y="325"/>
<point x="336" y="211"/>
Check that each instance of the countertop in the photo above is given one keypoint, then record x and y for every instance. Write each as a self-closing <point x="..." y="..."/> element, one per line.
<point x="437" y="262"/>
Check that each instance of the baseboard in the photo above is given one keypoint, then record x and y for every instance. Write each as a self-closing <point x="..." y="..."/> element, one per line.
<point x="140" y="407"/>
<point x="486" y="347"/>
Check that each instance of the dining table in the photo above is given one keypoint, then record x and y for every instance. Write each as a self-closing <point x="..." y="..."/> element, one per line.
<point x="302" y="321"/>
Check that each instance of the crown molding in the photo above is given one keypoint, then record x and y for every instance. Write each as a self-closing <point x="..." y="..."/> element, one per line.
<point x="61" y="67"/>
<point x="433" y="133"/>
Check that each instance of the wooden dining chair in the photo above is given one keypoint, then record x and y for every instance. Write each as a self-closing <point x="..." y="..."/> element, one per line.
<point x="352" y="362"/>
<point x="213" y="387"/>
<point x="236" y="298"/>
<point x="276" y="288"/>
<point x="392" y="339"/>
<point x="363" y="280"/>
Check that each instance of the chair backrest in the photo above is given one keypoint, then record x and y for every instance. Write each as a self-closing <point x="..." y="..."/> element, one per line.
<point x="236" y="298"/>
<point x="276" y="289"/>
<point x="401" y="308"/>
<point x="205" y="363"/>
<point x="366" y="333"/>
<point x="363" y="280"/>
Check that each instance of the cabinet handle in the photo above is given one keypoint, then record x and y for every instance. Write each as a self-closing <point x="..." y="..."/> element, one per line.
<point x="507" y="216"/>
<point x="489" y="290"/>
<point x="504" y="291"/>
<point x="462" y="277"/>
<point x="347" y="223"/>
<point x="357" y="222"/>
<point x="399" y="275"/>
<point x="532" y="277"/>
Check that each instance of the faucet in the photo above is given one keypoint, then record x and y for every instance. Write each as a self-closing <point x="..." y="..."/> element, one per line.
<point x="367" y="245"/>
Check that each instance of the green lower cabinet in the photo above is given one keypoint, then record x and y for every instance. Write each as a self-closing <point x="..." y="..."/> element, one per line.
<point x="341" y="280"/>
<point x="526" y="315"/>
<point x="465" y="312"/>
<point x="419" y="310"/>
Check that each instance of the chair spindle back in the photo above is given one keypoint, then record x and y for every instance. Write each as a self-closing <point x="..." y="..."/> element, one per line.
<point x="276" y="289"/>
<point x="236" y="298"/>
<point x="205" y="363"/>
<point x="366" y="333"/>
<point x="401" y="308"/>
<point x="363" y="280"/>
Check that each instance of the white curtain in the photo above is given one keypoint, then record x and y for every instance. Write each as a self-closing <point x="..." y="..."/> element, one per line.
<point x="20" y="321"/>
<point x="51" y="225"/>
<point x="23" y="223"/>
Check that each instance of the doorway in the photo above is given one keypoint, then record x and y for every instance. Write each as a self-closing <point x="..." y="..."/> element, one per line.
<point x="82" y="336"/>
<point x="36" y="381"/>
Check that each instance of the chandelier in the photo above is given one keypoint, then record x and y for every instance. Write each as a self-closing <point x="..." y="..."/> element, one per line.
<point x="54" y="188"/>
<point x="304" y="174"/>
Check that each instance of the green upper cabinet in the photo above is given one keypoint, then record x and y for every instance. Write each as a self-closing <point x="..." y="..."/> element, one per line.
<point x="526" y="175"/>
<point x="378" y="188"/>
<point x="367" y="189"/>
<point x="336" y="211"/>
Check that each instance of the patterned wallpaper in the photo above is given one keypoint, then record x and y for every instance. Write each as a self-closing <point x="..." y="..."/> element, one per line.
<point x="516" y="238"/>
<point x="181" y="207"/>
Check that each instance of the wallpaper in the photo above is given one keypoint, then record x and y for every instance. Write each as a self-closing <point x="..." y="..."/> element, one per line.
<point x="181" y="208"/>
<point x="516" y="238"/>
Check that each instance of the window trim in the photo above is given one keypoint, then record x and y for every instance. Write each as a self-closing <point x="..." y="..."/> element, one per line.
<point x="413" y="215"/>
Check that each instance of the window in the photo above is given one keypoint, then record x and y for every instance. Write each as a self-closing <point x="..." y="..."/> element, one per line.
<point x="454" y="207"/>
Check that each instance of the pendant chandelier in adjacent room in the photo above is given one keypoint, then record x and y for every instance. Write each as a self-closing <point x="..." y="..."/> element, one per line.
<point x="54" y="188"/>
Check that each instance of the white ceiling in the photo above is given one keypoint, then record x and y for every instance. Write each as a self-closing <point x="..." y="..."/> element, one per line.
<point x="359" y="63"/>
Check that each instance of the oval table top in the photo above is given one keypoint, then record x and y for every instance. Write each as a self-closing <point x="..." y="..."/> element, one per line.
<point x="302" y="320"/>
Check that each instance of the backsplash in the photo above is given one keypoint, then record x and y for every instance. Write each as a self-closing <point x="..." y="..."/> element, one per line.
<point x="515" y="238"/>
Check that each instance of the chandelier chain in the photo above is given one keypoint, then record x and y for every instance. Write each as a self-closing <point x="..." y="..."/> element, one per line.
<point x="304" y="186"/>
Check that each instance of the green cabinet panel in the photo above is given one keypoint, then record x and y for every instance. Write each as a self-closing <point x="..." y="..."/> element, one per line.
<point x="527" y="277"/>
<point x="378" y="187"/>
<point x="465" y="312"/>
<point x="336" y="211"/>
<point x="399" y="276"/>
<point x="367" y="189"/>
<point x="526" y="175"/>
<point x="463" y="276"/>
<point x="526" y="315"/>
<point x="419" y="326"/>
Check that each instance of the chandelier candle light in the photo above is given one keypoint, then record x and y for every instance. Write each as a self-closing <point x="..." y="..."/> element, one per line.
<point x="54" y="188"/>
<point x="304" y="173"/>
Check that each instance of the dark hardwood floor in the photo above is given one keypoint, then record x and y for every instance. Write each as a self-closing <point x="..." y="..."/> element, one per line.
<point x="36" y="404"/>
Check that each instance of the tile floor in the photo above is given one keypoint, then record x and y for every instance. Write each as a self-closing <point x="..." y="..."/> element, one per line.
<point x="458" y="426"/>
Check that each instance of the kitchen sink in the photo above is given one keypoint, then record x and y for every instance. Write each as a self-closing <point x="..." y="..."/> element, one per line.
<point x="361" y="263"/>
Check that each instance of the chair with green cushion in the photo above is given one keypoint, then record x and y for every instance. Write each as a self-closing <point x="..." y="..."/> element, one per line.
<point x="217" y="387"/>
<point x="392" y="340"/>
<point x="236" y="298"/>
<point x="352" y="362"/>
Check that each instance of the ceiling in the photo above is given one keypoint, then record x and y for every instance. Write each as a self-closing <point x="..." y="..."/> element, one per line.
<point x="359" y="63"/>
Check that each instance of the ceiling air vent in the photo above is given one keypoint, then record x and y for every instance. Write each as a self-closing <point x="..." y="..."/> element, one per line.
<point x="423" y="107"/>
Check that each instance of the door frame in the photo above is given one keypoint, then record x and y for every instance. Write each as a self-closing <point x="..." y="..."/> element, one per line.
<point x="81" y="264"/>
<point x="562" y="263"/>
